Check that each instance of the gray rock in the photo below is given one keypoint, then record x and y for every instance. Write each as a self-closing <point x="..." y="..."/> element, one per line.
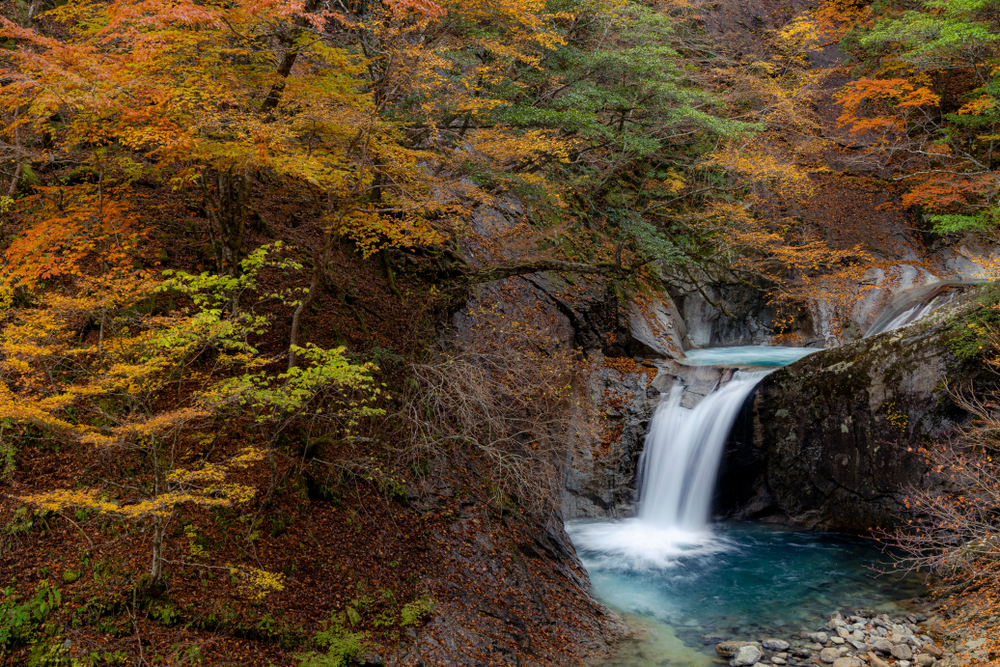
<point x="902" y="652"/>
<point x="903" y="663"/>
<point x="836" y="623"/>
<point x="846" y="662"/>
<point x="746" y="656"/>
<point x="801" y="652"/>
<point x="829" y="655"/>
<point x="857" y="636"/>
<point x="843" y="631"/>
<point x="876" y="661"/>
<point x="837" y="640"/>
<point x="815" y="647"/>
<point x="883" y="646"/>
<point x="817" y="637"/>
<point x="860" y="646"/>
<point x="933" y="649"/>
<point x="972" y="645"/>
<point x="924" y="659"/>
<point x="778" y="661"/>
<point x="815" y="480"/>
<point x="776" y="644"/>
<point x="729" y="649"/>
<point x="881" y="632"/>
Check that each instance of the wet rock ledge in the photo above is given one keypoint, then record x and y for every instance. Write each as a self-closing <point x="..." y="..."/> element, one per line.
<point x="863" y="639"/>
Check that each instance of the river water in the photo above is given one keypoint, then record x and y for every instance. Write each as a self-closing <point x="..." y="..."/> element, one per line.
<point x="686" y="583"/>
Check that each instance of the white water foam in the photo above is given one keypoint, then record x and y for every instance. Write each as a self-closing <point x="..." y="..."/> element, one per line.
<point x="635" y="544"/>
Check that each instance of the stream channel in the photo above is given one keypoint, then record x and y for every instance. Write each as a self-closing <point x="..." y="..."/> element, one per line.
<point x="685" y="583"/>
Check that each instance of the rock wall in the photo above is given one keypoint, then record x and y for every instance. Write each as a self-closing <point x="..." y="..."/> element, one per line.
<point x="834" y="438"/>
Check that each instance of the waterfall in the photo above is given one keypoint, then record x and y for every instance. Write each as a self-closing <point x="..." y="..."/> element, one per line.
<point x="683" y="449"/>
<point x="924" y="302"/>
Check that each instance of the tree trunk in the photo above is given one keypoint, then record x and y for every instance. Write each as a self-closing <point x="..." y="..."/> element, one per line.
<point x="227" y="202"/>
<point x="320" y="259"/>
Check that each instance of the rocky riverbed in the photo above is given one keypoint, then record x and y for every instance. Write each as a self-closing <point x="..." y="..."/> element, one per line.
<point x="863" y="639"/>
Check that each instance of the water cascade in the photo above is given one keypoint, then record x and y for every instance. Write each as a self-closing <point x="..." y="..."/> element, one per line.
<point x="692" y="583"/>
<point x="682" y="453"/>
<point x="913" y="305"/>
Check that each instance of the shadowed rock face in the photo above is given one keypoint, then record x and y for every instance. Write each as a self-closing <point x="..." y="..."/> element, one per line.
<point x="834" y="438"/>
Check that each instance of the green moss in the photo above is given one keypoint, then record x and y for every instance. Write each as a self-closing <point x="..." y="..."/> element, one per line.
<point x="971" y="336"/>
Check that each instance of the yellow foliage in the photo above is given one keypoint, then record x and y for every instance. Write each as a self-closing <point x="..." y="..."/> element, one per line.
<point x="255" y="583"/>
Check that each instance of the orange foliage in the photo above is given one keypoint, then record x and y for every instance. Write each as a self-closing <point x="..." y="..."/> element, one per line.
<point x="940" y="192"/>
<point x="893" y="98"/>
<point x="70" y="235"/>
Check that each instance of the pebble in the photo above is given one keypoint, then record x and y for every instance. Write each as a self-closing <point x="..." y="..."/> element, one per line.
<point x="774" y="644"/>
<point x="846" y="662"/>
<point x="729" y="649"/>
<point x="883" y="646"/>
<point x="863" y="639"/>
<point x="902" y="652"/>
<point x="876" y="661"/>
<point x="746" y="656"/>
<point x="829" y="655"/>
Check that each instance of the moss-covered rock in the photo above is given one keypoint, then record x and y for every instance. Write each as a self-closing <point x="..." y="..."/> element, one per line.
<point x="836" y="436"/>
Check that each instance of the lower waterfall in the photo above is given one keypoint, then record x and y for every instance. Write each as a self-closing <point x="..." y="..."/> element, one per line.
<point x="682" y="453"/>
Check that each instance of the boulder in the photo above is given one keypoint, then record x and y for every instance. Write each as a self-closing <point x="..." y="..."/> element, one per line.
<point x="824" y="424"/>
<point x="776" y="644"/>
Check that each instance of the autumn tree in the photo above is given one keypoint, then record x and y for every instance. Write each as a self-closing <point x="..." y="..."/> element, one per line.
<point x="104" y="391"/>
<point x="928" y="112"/>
